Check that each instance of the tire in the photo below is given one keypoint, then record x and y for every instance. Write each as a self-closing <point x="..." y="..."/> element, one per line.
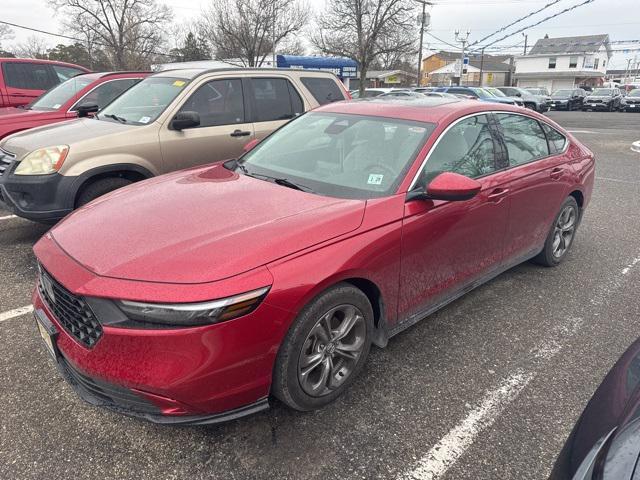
<point x="99" y="188"/>
<point x="305" y="339"/>
<point x="552" y="254"/>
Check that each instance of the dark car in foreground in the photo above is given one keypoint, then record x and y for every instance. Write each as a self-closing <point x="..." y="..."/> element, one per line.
<point x="477" y="93"/>
<point x="608" y="99"/>
<point x="631" y="103"/>
<point x="78" y="96"/>
<point x="22" y="80"/>
<point x="605" y="442"/>
<point x="194" y="296"/>
<point x="568" y="99"/>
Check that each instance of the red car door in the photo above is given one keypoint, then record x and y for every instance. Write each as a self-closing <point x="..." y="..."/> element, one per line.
<point x="25" y="81"/>
<point x="447" y="247"/>
<point x="538" y="181"/>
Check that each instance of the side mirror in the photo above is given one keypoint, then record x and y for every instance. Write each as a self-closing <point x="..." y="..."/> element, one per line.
<point x="250" y="145"/>
<point x="86" y="109"/>
<point x="452" y="187"/>
<point x="184" y="120"/>
<point x="518" y="94"/>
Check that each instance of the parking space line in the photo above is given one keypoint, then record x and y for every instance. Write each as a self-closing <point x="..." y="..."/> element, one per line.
<point x="455" y="443"/>
<point x="626" y="269"/>
<point x="15" y="313"/>
<point x="619" y="180"/>
<point x="7" y="217"/>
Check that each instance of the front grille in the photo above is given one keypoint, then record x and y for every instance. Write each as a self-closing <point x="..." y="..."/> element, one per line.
<point x="6" y="159"/>
<point x="101" y="393"/>
<point x="71" y="311"/>
<point x="633" y="102"/>
<point x="595" y="101"/>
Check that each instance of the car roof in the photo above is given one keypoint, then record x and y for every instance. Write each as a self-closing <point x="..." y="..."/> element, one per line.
<point x="93" y="76"/>
<point x="191" y="73"/>
<point x="427" y="109"/>
<point x="37" y="60"/>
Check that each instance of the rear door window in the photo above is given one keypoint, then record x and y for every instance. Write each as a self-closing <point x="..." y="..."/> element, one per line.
<point x="324" y="90"/>
<point x="29" y="76"/>
<point x="524" y="138"/>
<point x="218" y="102"/>
<point x="274" y="99"/>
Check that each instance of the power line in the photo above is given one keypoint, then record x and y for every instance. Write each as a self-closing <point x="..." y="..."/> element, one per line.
<point x="568" y="9"/>
<point x="76" y="39"/>
<point x="531" y="14"/>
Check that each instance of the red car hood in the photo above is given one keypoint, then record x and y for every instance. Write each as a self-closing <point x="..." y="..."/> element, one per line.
<point x="200" y="225"/>
<point x="11" y="114"/>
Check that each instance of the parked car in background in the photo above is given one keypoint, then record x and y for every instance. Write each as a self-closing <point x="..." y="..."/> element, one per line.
<point x="197" y="295"/>
<point x="539" y="91"/>
<point x="497" y="93"/>
<point x="403" y="94"/>
<point x="605" y="441"/>
<point x="23" y="80"/>
<point x="171" y="120"/>
<point x="533" y="102"/>
<point x="441" y="95"/>
<point x="79" y="96"/>
<point x="477" y="93"/>
<point x="424" y="89"/>
<point x="608" y="99"/>
<point x="376" y="92"/>
<point x="631" y="102"/>
<point x="568" y="99"/>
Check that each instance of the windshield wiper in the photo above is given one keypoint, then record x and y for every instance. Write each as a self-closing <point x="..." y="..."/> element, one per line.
<point x="285" y="182"/>
<point x="116" y="118"/>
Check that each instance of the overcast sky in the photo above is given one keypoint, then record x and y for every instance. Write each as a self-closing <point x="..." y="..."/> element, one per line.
<point x="619" y="18"/>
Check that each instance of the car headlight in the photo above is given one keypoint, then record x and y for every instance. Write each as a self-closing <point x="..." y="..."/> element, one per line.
<point x="193" y="314"/>
<point x="43" y="161"/>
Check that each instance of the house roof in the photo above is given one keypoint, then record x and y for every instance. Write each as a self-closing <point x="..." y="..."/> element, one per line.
<point x="569" y="45"/>
<point x="453" y="56"/>
<point x="380" y="74"/>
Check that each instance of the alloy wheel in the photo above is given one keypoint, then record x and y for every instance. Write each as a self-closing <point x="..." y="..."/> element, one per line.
<point x="332" y="350"/>
<point x="564" y="230"/>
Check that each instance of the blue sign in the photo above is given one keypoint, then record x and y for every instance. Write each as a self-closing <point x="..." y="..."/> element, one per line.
<point x="342" y="67"/>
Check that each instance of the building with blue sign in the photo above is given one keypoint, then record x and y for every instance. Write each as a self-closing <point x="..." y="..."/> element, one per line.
<point x="344" y="68"/>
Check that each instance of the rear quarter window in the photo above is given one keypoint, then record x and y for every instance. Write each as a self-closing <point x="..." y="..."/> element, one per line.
<point x="30" y="76"/>
<point x="324" y="90"/>
<point x="557" y="141"/>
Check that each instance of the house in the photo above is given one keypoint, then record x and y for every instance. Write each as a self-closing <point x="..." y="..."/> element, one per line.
<point x="438" y="60"/>
<point x="494" y="74"/>
<point x="565" y="62"/>
<point x="387" y="78"/>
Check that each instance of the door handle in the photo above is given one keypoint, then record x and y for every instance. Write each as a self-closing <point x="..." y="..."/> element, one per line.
<point x="497" y="195"/>
<point x="240" y="133"/>
<point x="556" y="173"/>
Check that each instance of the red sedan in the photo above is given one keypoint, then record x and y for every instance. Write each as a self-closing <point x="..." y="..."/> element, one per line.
<point x="193" y="297"/>
<point x="80" y="95"/>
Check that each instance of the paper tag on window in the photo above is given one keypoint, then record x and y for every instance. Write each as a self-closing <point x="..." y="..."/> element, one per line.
<point x="145" y="119"/>
<point x="375" y="179"/>
<point x="57" y="105"/>
<point x="179" y="83"/>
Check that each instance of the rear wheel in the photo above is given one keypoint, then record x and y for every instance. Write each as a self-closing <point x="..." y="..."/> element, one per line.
<point x="561" y="236"/>
<point x="99" y="188"/>
<point x="325" y="349"/>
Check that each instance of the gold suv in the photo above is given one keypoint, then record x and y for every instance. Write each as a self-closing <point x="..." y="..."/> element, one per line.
<point x="171" y="120"/>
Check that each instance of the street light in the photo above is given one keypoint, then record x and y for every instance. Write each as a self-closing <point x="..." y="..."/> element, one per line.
<point x="463" y="39"/>
<point x="424" y="19"/>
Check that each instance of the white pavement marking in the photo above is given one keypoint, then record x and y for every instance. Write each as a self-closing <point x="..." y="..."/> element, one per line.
<point x="454" y="444"/>
<point x="626" y="269"/>
<point x="619" y="180"/>
<point x="8" y="217"/>
<point x="17" y="312"/>
<point x="635" y="146"/>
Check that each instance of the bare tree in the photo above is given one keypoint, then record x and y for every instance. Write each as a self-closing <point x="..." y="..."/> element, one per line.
<point x="6" y="33"/>
<point x="130" y="31"/>
<point x="248" y="29"/>
<point x="32" y="47"/>
<point x="364" y="30"/>
<point x="392" y="58"/>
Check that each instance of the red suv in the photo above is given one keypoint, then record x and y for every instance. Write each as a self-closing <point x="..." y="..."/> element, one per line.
<point x="191" y="297"/>
<point x="75" y="97"/>
<point x="24" y="79"/>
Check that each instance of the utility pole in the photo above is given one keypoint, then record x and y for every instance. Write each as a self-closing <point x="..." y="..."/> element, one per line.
<point x="526" y="39"/>
<point x="463" y="39"/>
<point x="274" y="63"/>
<point x="481" y="65"/>
<point x="424" y="19"/>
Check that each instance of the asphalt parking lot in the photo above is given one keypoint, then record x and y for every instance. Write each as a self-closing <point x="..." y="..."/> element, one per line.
<point x="487" y="388"/>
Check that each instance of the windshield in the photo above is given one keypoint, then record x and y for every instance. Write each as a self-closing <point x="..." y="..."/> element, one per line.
<point x="602" y="91"/>
<point x="60" y="94"/>
<point x="339" y="155"/>
<point x="481" y="92"/>
<point x="495" y="92"/>
<point x="562" y="93"/>
<point x="143" y="103"/>
<point x="634" y="93"/>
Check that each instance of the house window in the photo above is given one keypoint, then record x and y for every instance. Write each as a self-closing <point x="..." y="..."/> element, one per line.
<point x="552" y="62"/>
<point x="595" y="63"/>
<point x="573" y="62"/>
<point x="604" y="64"/>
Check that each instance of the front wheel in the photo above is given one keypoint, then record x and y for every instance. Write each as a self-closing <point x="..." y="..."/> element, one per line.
<point x="99" y="188"/>
<point x="561" y="236"/>
<point x="325" y="349"/>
